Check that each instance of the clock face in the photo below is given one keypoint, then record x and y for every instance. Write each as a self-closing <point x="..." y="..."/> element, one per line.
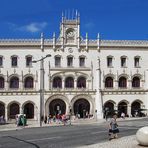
<point x="70" y="50"/>
<point x="70" y="34"/>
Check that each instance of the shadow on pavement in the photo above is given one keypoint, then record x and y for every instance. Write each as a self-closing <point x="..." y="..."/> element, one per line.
<point x="24" y="141"/>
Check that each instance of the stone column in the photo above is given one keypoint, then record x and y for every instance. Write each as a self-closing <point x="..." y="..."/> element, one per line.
<point x="63" y="83"/>
<point x="20" y="109"/>
<point x="129" y="84"/>
<point x="129" y="110"/>
<point x="6" y="113"/>
<point x="116" y="84"/>
<point x="75" y="83"/>
<point x="99" y="97"/>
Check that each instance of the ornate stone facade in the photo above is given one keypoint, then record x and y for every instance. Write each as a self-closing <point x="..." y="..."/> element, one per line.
<point x="82" y="76"/>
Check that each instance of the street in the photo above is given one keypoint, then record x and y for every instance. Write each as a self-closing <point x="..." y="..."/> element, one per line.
<point x="66" y="136"/>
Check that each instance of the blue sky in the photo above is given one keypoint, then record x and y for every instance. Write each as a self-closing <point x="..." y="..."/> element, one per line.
<point x="113" y="19"/>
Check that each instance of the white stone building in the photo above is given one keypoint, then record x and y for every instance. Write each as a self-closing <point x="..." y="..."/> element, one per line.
<point x="82" y="76"/>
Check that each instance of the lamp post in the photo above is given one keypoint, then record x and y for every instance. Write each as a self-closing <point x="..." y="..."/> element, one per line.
<point x="70" y="112"/>
<point x="41" y="85"/>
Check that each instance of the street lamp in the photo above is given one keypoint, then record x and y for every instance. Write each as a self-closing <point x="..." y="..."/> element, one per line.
<point x="70" y="112"/>
<point x="41" y="85"/>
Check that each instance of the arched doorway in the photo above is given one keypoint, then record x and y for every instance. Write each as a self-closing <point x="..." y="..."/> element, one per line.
<point x="2" y="109"/>
<point x="14" y="109"/>
<point x="135" y="108"/>
<point x="108" y="109"/>
<point x="29" y="110"/>
<point x="81" y="108"/>
<point x="122" y="107"/>
<point x="57" y="106"/>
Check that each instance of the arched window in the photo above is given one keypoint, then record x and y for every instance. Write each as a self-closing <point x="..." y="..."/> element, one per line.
<point x="109" y="82"/>
<point x="14" y="82"/>
<point x="122" y="82"/>
<point x="136" y="82"/>
<point x="81" y="82"/>
<point x="69" y="82"/>
<point x="28" y="82"/>
<point x="57" y="82"/>
<point x="2" y="83"/>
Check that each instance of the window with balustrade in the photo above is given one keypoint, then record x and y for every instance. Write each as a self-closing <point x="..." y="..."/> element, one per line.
<point x="2" y="83"/>
<point x="14" y="82"/>
<point x="136" y="82"/>
<point x="81" y="82"/>
<point x="122" y="82"/>
<point x="28" y="82"/>
<point x="109" y="82"/>
<point x="69" y="82"/>
<point x="57" y="82"/>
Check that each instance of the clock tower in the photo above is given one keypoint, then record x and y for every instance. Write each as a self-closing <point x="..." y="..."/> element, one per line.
<point x="70" y="30"/>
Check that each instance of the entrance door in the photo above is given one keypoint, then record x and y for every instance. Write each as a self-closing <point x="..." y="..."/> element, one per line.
<point x="122" y="108"/>
<point x="81" y="108"/>
<point x="14" y="109"/>
<point x="29" y="110"/>
<point x="57" y="106"/>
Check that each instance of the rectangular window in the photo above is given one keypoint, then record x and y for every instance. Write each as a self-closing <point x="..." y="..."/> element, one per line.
<point x="14" y="61"/>
<point x="82" y="62"/>
<point x="136" y="63"/>
<point x="57" y="61"/>
<point x="1" y="61"/>
<point x="109" y="62"/>
<point x="28" y="61"/>
<point x="70" y="61"/>
<point x="123" y="62"/>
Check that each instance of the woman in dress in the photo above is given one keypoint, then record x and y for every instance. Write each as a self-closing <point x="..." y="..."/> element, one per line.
<point x="113" y="128"/>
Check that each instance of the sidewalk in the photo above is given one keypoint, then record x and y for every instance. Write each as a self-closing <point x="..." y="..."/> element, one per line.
<point x="124" y="142"/>
<point x="32" y="123"/>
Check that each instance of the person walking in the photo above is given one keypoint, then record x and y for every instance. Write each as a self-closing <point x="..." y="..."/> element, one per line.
<point x="113" y="128"/>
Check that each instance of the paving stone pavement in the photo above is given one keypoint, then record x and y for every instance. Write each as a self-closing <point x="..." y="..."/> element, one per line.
<point x="125" y="142"/>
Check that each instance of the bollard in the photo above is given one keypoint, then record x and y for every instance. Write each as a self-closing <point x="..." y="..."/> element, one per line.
<point x="142" y="136"/>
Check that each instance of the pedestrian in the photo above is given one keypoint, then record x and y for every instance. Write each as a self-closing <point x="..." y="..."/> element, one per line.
<point x="113" y="128"/>
<point x="123" y="115"/>
<point x="64" y="119"/>
<point x="45" y="120"/>
<point x="49" y="119"/>
<point x="17" y="120"/>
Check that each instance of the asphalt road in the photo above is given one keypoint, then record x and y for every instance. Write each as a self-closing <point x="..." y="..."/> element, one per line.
<point x="65" y="136"/>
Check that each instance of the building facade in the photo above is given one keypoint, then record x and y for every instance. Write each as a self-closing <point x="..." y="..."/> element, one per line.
<point x="81" y="77"/>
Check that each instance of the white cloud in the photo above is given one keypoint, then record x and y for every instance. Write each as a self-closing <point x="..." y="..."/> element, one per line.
<point x="33" y="27"/>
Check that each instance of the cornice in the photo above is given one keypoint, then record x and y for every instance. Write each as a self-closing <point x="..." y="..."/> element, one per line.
<point x="91" y="43"/>
<point x="70" y="69"/>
